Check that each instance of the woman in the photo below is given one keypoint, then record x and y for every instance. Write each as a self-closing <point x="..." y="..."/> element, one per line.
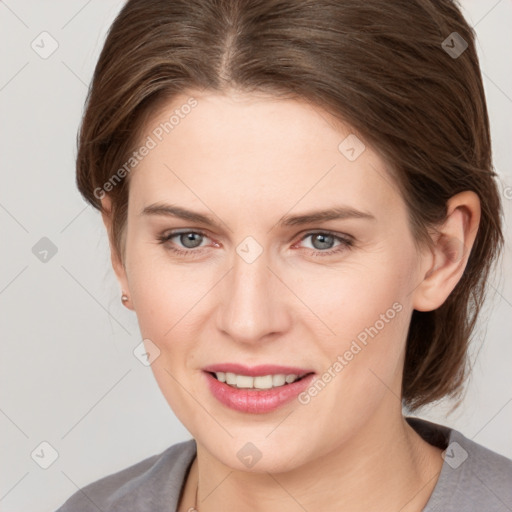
<point x="302" y="213"/>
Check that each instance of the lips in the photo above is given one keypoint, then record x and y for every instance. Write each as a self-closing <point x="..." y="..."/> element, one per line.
<point x="256" y="401"/>
<point x="257" y="371"/>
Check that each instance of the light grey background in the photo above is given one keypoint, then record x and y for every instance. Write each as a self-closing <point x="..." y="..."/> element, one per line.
<point x="68" y="374"/>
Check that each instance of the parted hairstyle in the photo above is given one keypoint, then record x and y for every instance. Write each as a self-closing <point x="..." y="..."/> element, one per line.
<point x="380" y="67"/>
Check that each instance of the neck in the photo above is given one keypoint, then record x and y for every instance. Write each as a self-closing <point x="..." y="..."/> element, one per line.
<point x="384" y="467"/>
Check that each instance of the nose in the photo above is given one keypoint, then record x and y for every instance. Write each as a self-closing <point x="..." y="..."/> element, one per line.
<point x="253" y="304"/>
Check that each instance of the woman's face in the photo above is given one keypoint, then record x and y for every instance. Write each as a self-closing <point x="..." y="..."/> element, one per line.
<point x="269" y="280"/>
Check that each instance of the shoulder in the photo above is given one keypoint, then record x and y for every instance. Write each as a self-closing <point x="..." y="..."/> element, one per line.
<point x="473" y="478"/>
<point x="154" y="482"/>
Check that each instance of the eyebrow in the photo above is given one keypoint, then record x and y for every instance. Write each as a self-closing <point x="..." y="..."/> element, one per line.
<point x="336" y="213"/>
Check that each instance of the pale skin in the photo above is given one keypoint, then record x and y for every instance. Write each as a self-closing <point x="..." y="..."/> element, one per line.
<point x="246" y="161"/>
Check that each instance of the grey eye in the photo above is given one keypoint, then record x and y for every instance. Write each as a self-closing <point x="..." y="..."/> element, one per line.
<point x="322" y="240"/>
<point x="190" y="240"/>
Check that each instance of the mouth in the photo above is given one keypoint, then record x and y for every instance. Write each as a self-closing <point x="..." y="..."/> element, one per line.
<point x="262" y="382"/>
<point x="263" y="376"/>
<point x="257" y="394"/>
<point x="257" y="389"/>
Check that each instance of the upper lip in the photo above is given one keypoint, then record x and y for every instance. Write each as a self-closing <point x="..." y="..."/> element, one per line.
<point x="256" y="371"/>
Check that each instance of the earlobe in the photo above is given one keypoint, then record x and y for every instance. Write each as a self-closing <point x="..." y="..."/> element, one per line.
<point x="450" y="252"/>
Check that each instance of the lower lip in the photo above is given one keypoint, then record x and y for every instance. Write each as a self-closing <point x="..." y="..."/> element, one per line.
<point x="254" y="401"/>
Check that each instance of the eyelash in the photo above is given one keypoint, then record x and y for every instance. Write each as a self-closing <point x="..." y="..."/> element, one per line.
<point x="345" y="243"/>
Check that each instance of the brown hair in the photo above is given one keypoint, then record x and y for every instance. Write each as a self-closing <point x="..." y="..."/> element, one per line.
<point x="380" y="67"/>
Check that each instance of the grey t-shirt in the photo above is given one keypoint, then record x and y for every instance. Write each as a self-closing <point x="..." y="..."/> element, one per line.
<point x="472" y="479"/>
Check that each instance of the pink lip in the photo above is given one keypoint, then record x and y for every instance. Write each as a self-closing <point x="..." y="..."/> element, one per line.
<point x="256" y="371"/>
<point x="256" y="401"/>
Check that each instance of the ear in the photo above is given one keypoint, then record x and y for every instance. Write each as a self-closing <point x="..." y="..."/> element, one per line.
<point x="117" y="263"/>
<point x="453" y="241"/>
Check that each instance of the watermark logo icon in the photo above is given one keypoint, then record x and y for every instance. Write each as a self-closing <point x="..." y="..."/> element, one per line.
<point x="146" y="352"/>
<point x="351" y="147"/>
<point x="44" y="250"/>
<point x="45" y="45"/>
<point x="454" y="455"/>
<point x="454" y="45"/>
<point x="249" y="249"/>
<point x="249" y="455"/>
<point x="44" y="455"/>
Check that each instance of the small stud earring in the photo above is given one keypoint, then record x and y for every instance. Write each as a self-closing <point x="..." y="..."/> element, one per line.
<point x="124" y="298"/>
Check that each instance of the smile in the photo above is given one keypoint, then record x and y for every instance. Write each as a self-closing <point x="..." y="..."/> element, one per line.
<point x="256" y="394"/>
<point x="262" y="382"/>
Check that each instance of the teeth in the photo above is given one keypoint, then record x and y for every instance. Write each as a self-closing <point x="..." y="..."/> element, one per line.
<point x="261" y="382"/>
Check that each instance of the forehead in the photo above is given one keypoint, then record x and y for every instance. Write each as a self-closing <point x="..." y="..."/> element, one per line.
<point x="240" y="124"/>
<point x="250" y="151"/>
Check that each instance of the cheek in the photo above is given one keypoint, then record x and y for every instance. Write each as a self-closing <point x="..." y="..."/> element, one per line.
<point x="365" y="311"/>
<point x="172" y="306"/>
<point x="162" y="291"/>
<point x="167" y="301"/>
<point x="354" y="296"/>
<point x="362" y="362"/>
<point x="167" y="304"/>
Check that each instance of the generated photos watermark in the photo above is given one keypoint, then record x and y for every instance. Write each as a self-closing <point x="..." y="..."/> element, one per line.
<point x="343" y="360"/>
<point x="151" y="142"/>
